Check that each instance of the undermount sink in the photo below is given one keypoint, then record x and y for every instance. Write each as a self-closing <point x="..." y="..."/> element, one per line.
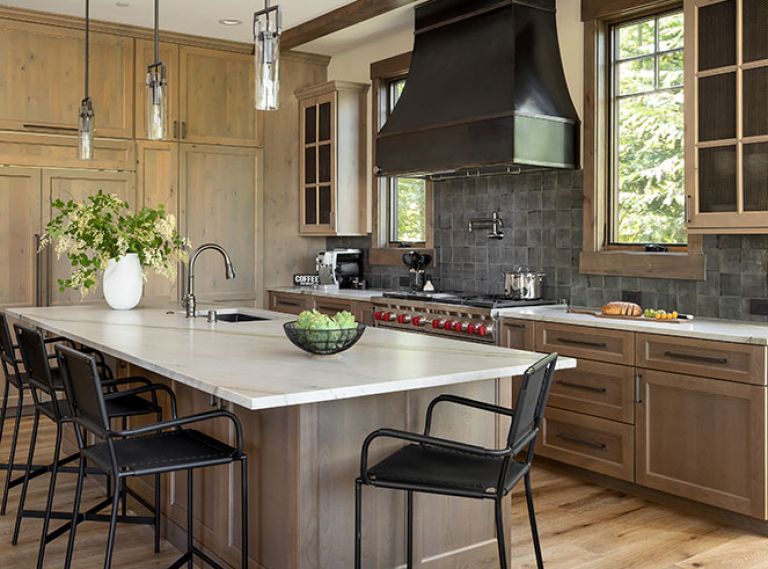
<point x="240" y="317"/>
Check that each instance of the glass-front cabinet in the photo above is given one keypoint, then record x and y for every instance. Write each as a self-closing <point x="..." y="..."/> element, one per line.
<point x="728" y="117"/>
<point x="332" y="170"/>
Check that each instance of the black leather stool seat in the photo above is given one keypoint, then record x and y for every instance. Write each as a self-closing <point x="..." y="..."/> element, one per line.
<point x="429" y="466"/>
<point x="168" y="451"/>
<point x="118" y="405"/>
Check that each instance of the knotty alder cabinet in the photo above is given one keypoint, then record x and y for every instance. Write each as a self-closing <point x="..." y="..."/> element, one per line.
<point x="728" y="146"/>
<point x="332" y="159"/>
<point x="679" y="415"/>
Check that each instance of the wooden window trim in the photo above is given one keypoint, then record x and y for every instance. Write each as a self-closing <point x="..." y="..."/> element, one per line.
<point x="597" y="257"/>
<point x="382" y="251"/>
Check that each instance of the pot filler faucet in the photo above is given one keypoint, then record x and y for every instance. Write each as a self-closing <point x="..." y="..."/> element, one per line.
<point x="190" y="302"/>
<point x="494" y="223"/>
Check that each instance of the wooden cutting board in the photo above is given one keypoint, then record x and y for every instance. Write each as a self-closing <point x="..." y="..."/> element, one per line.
<point x="620" y="317"/>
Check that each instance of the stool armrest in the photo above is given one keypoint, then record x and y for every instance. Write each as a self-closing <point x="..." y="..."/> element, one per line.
<point x="464" y="402"/>
<point x="426" y="440"/>
<point x="151" y="388"/>
<point x="181" y="421"/>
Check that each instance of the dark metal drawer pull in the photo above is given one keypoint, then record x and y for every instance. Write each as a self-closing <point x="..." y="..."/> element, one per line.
<point x="50" y="127"/>
<point x="578" y="441"/>
<point x="582" y="387"/>
<point x="288" y="303"/>
<point x="692" y="357"/>
<point x="582" y="343"/>
<point x="514" y="325"/>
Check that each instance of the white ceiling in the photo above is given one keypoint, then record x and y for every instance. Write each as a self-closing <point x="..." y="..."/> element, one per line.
<point x="201" y="17"/>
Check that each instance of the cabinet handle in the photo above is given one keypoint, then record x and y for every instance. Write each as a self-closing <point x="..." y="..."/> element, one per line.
<point x="38" y="272"/>
<point x="175" y="129"/>
<point x="32" y="126"/>
<point x="288" y="303"/>
<point x="638" y="396"/>
<point x="582" y="343"/>
<point x="582" y="442"/>
<point x="520" y="326"/>
<point x="183" y="130"/>
<point x="582" y="387"/>
<point x="696" y="358"/>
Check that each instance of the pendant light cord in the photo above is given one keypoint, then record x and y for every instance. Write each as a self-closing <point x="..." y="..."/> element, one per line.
<point x="157" y="31"/>
<point x="87" y="44"/>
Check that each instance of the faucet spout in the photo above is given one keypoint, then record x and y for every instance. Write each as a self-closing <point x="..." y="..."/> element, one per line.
<point x="190" y="302"/>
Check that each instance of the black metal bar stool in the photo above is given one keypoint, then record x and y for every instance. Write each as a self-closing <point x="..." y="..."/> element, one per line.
<point x="47" y="390"/>
<point x="440" y="466"/>
<point x="149" y="450"/>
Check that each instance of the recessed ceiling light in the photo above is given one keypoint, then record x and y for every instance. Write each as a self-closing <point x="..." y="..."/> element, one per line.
<point x="230" y="22"/>
<point x="122" y="4"/>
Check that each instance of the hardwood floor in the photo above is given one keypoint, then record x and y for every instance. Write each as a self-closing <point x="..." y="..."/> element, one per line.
<point x="583" y="526"/>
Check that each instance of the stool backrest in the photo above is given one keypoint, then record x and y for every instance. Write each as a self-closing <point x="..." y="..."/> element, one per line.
<point x="531" y="403"/>
<point x="35" y="358"/>
<point x="82" y="386"/>
<point x="7" y="353"/>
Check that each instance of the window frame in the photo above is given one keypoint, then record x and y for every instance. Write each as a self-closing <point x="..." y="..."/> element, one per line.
<point x="385" y="250"/>
<point x="599" y="256"/>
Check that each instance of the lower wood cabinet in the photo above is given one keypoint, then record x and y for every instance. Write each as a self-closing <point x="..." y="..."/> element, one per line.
<point x="289" y="303"/>
<point x="295" y="303"/>
<point x="516" y="334"/>
<point x="599" y="445"/>
<point x="703" y="439"/>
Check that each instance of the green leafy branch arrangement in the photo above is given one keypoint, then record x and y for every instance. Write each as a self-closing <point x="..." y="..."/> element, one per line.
<point x="103" y="227"/>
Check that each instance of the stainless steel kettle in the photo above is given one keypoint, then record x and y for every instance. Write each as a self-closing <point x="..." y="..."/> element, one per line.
<point x="523" y="284"/>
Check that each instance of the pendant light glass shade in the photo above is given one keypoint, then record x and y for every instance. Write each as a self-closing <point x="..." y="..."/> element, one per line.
<point x="157" y="102"/>
<point x="266" y="34"/>
<point x="86" y="129"/>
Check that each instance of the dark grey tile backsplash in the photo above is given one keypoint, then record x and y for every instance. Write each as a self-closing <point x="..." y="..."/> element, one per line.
<point x="542" y="213"/>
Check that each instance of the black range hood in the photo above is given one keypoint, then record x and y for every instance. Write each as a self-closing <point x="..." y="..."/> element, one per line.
<point x="486" y="93"/>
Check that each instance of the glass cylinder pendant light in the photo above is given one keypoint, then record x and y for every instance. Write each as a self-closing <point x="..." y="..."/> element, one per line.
<point x="86" y="120"/>
<point x="157" y="90"/>
<point x="266" y="36"/>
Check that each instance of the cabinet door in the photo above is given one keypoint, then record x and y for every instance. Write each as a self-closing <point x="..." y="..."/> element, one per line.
<point x="145" y="55"/>
<point x="217" y="97"/>
<point x="157" y="183"/>
<point x="517" y="334"/>
<point x="42" y="69"/>
<point x="218" y="204"/>
<point x="20" y="219"/>
<point x="289" y="303"/>
<point x="703" y="439"/>
<point x="318" y="165"/>
<point x="77" y="185"/>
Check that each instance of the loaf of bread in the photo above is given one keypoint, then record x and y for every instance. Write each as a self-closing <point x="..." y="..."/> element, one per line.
<point x="619" y="308"/>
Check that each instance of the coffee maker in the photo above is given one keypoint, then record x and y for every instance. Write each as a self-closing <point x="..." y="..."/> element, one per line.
<point x="338" y="268"/>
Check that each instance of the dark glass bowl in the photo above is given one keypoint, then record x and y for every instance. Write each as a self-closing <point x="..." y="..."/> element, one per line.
<point x="323" y="342"/>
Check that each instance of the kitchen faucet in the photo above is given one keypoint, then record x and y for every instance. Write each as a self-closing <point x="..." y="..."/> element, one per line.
<point x="190" y="302"/>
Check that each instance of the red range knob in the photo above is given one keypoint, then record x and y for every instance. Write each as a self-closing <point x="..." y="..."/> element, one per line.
<point x="471" y="328"/>
<point x="417" y="320"/>
<point x="458" y="327"/>
<point x="389" y="317"/>
<point x="403" y="319"/>
<point x="378" y="315"/>
<point x="482" y="330"/>
<point x="436" y="323"/>
<point x="448" y="325"/>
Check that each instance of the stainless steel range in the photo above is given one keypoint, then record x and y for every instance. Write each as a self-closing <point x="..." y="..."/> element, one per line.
<point x="472" y="318"/>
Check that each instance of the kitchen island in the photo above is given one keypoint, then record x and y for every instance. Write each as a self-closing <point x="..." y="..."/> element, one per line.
<point x="304" y="420"/>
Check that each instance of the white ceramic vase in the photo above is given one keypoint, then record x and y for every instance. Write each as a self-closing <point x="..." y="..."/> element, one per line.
<point x="123" y="283"/>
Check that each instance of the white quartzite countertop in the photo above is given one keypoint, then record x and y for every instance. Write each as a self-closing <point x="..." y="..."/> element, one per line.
<point x="253" y="364"/>
<point x="342" y="293"/>
<point x="703" y="328"/>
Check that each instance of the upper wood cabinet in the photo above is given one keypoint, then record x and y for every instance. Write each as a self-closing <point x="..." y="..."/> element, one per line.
<point x="42" y="79"/>
<point x="727" y="138"/>
<point x="218" y="204"/>
<point x="21" y="212"/>
<point x="217" y="98"/>
<point x="145" y="55"/>
<point x="332" y="159"/>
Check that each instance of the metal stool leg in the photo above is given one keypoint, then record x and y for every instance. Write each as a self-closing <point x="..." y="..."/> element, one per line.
<point x="51" y="491"/>
<point x="25" y="485"/>
<point x="190" y="520"/>
<point x="358" y="523"/>
<point x="409" y="530"/>
<point x="500" y="535"/>
<point x="113" y="523"/>
<point x="12" y="454"/>
<point x="123" y="486"/>
<point x="157" y="513"/>
<point x="532" y="519"/>
<point x="244" y="509"/>
<point x="75" y="513"/>
<point x="4" y="408"/>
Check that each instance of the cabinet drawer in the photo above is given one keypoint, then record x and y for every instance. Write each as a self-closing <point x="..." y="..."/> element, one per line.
<point x="289" y="303"/>
<point x="599" y="445"/>
<point x="721" y="360"/>
<point x="595" y="388"/>
<point x="604" y="345"/>
<point x="516" y="334"/>
<point x="331" y="306"/>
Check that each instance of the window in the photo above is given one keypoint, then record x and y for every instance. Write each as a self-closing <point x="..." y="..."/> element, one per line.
<point x="646" y="132"/>
<point x="407" y="197"/>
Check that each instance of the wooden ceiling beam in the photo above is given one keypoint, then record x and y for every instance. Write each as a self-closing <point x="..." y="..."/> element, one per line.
<point x="338" y="19"/>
